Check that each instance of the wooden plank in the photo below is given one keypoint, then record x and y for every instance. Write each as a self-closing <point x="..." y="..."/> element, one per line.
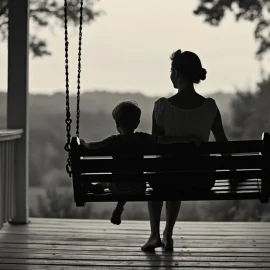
<point x="138" y="253"/>
<point x="171" y="164"/>
<point x="114" y="233"/>
<point x="74" y="247"/>
<point x="63" y="221"/>
<point x="158" y="263"/>
<point x="184" y="196"/>
<point x="84" y="223"/>
<point x="177" y="149"/>
<point x="218" y="175"/>
<point x="60" y="267"/>
<point x="127" y="226"/>
<point x="128" y="258"/>
<point x="88" y="234"/>
<point x="79" y="242"/>
<point x="145" y="231"/>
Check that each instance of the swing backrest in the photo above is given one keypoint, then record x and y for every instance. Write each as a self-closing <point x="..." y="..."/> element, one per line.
<point x="173" y="162"/>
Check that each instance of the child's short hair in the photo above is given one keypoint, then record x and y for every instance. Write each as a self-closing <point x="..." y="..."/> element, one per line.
<point x="127" y="114"/>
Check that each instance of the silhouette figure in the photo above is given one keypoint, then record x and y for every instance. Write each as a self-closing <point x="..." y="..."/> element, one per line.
<point x="127" y="118"/>
<point x="184" y="114"/>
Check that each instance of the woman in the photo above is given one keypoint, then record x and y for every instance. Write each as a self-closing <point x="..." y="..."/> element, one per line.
<point x="185" y="114"/>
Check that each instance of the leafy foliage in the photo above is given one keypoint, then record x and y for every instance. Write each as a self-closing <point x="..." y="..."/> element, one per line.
<point x="251" y="112"/>
<point x="48" y="14"/>
<point x="256" y="11"/>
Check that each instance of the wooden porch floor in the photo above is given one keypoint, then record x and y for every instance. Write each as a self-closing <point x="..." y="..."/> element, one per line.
<point x="97" y="245"/>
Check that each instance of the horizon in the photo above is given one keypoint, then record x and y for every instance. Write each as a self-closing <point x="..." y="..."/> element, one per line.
<point x="56" y="92"/>
<point x="114" y="56"/>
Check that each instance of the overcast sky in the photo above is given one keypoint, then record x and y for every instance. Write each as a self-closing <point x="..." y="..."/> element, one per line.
<point x="128" y="49"/>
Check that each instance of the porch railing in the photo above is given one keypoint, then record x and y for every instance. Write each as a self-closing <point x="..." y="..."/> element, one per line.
<point x="8" y="139"/>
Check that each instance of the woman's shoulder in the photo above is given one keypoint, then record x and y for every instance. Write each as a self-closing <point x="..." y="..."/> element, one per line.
<point x="211" y="101"/>
<point x="160" y="100"/>
<point x="159" y="107"/>
<point x="159" y="103"/>
<point x="211" y="106"/>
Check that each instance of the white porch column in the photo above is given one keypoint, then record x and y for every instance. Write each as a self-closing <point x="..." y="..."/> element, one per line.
<point x="17" y="99"/>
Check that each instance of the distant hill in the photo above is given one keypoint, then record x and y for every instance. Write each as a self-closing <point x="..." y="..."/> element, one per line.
<point x="102" y="101"/>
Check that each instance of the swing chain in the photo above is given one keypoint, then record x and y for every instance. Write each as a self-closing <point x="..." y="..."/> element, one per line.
<point x="68" y="120"/>
<point x="79" y="68"/>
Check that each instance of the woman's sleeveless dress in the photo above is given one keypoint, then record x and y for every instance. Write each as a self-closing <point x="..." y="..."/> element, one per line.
<point x="183" y="123"/>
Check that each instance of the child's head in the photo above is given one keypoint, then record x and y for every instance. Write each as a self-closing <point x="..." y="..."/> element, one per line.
<point x="127" y="116"/>
<point x="187" y="67"/>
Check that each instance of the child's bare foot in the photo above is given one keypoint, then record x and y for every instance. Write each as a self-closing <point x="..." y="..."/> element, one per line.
<point x="153" y="242"/>
<point x="167" y="243"/>
<point x="116" y="216"/>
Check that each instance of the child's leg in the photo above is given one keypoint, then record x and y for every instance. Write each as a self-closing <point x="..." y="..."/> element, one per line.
<point x="116" y="215"/>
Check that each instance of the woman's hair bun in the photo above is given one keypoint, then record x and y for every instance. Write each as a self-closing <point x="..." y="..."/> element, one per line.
<point x="203" y="74"/>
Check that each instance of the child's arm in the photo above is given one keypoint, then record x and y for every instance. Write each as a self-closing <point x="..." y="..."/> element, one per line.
<point x="95" y="145"/>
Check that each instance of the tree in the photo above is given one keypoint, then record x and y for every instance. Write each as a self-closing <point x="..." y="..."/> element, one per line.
<point x="251" y="112"/>
<point x="48" y="13"/>
<point x="255" y="11"/>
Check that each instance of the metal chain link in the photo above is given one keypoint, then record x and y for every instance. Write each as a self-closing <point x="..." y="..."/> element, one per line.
<point x="68" y="120"/>
<point x="79" y="69"/>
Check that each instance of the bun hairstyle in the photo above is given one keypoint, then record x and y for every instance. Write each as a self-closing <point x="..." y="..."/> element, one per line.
<point x="189" y="65"/>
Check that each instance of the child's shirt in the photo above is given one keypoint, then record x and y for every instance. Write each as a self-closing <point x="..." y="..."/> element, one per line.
<point x="118" y="141"/>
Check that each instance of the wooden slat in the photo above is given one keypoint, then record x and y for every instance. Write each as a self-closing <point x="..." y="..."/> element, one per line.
<point x="135" y="263"/>
<point x="85" y="222"/>
<point x="171" y="164"/>
<point x="4" y="182"/>
<point x="1" y="185"/>
<point x="135" y="253"/>
<point x="177" y="149"/>
<point x="184" y="196"/>
<point x="10" y="134"/>
<point x="127" y="258"/>
<point x="8" y="181"/>
<point x="100" y="241"/>
<point x="218" y="175"/>
<point x="12" y="174"/>
<point x="126" y="250"/>
<point x="60" y="267"/>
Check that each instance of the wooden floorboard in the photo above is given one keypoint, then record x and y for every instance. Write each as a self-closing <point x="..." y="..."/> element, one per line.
<point x="65" y="244"/>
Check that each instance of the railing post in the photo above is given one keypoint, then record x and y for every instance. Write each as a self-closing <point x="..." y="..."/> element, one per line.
<point x="17" y="101"/>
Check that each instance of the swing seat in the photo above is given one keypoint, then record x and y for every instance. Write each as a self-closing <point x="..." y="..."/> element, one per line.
<point x="165" y="165"/>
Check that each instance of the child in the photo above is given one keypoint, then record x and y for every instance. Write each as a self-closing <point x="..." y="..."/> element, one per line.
<point x="127" y="118"/>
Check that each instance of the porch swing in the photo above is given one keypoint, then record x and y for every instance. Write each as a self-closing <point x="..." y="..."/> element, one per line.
<point x="249" y="160"/>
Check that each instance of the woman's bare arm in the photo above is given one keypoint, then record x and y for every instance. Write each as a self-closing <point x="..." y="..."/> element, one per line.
<point x="218" y="129"/>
